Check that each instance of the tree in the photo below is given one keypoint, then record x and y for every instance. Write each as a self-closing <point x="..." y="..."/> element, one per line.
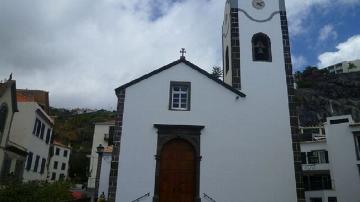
<point x="352" y="66"/>
<point x="217" y="72"/>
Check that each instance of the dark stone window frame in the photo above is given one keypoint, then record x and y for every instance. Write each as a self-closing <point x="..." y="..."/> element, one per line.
<point x="188" y="102"/>
<point x="266" y="39"/>
<point x="4" y="111"/>
<point x="227" y="60"/>
<point x="357" y="144"/>
<point x="189" y="133"/>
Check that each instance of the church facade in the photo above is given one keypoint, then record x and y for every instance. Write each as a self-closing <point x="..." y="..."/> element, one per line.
<point x="183" y="136"/>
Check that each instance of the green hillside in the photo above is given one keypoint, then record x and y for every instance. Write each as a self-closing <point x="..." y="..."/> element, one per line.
<point x="77" y="130"/>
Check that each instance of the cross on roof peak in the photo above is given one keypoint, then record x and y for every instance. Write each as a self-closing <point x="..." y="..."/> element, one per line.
<point x="182" y="51"/>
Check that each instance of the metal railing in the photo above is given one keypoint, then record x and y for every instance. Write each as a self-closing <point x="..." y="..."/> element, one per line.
<point x="209" y="198"/>
<point x="141" y="197"/>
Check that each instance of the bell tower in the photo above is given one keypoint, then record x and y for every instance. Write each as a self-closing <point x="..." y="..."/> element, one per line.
<point x="257" y="61"/>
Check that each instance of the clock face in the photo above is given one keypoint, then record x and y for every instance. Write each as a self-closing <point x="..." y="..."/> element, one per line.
<point x="258" y="4"/>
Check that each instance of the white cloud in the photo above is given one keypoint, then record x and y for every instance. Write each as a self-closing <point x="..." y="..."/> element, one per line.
<point x="327" y="32"/>
<point x="346" y="51"/>
<point x="80" y="51"/>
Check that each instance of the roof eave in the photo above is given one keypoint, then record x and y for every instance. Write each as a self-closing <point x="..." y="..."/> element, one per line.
<point x="227" y="86"/>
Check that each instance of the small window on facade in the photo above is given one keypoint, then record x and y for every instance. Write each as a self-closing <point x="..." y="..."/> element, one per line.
<point x="227" y="60"/>
<point x="61" y="177"/>
<point x="315" y="199"/>
<point x="179" y="96"/>
<point x="3" y="115"/>
<point x="261" y="47"/>
<point x="36" y="165"/>
<point x="43" y="162"/>
<point x="29" y="161"/>
<point x="57" y="151"/>
<point x="42" y="131"/>
<point x="332" y="199"/>
<point x="63" y="166"/>
<point x="38" y="129"/>
<point x="303" y="158"/>
<point x="65" y="153"/>
<point x="35" y="126"/>
<point x="318" y="157"/>
<point x="55" y="164"/>
<point x="48" y="134"/>
<point x="53" y="176"/>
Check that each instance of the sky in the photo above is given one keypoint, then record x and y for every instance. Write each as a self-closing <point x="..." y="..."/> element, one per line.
<point x="81" y="50"/>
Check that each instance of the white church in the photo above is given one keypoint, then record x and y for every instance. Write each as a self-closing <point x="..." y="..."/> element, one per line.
<point x="184" y="136"/>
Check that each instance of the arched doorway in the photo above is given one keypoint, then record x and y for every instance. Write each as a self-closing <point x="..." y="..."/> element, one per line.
<point x="177" y="172"/>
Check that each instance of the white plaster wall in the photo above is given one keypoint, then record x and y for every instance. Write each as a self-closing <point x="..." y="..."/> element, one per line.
<point x="245" y="146"/>
<point x="104" y="174"/>
<point x="342" y="156"/>
<point x="21" y="133"/>
<point x="60" y="159"/>
<point x="98" y="138"/>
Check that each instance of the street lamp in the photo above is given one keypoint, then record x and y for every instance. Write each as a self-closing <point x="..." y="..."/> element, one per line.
<point x="100" y="151"/>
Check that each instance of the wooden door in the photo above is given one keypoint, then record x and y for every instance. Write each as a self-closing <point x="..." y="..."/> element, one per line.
<point x="177" y="172"/>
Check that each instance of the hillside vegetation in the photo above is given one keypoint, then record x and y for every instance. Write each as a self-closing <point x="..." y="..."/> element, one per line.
<point x="320" y="94"/>
<point x="77" y="130"/>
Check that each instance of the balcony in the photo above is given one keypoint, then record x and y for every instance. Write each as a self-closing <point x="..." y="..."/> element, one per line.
<point x="312" y="167"/>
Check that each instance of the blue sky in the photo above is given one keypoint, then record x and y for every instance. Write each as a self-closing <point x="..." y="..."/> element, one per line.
<point x="81" y="50"/>
<point x="337" y="24"/>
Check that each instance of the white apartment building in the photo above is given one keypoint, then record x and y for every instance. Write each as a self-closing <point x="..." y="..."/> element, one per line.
<point x="331" y="160"/>
<point x="345" y="67"/>
<point x="103" y="133"/>
<point x="59" y="162"/>
<point x="32" y="129"/>
<point x="12" y="156"/>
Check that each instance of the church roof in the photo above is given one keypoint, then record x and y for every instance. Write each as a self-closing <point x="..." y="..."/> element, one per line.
<point x="189" y="64"/>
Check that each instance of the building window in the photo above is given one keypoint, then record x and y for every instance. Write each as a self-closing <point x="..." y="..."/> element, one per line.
<point x="65" y="153"/>
<point x="357" y="145"/>
<point x="318" y="157"/>
<point x="29" y="161"/>
<point x="180" y="96"/>
<point x="48" y="133"/>
<point x="53" y="176"/>
<point x="303" y="158"/>
<point x="42" y="169"/>
<point x="55" y="165"/>
<point x="332" y="199"/>
<point x="38" y="128"/>
<point x="261" y="47"/>
<point x="36" y="163"/>
<point x="227" y="60"/>
<point x="57" y="151"/>
<point x="61" y="177"/>
<point x="42" y="131"/>
<point x="315" y="182"/>
<point x="315" y="199"/>
<point x="63" y="166"/>
<point x="3" y="116"/>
